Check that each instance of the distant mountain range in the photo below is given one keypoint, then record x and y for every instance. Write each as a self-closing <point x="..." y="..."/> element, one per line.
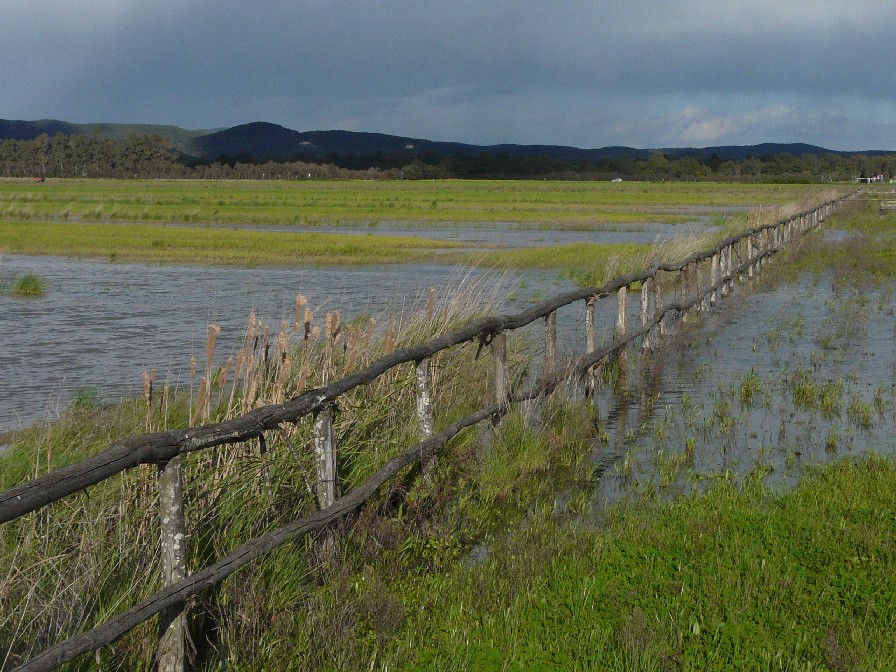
<point x="262" y="140"/>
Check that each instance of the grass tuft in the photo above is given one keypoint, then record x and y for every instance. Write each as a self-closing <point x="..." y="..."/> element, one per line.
<point x="29" y="285"/>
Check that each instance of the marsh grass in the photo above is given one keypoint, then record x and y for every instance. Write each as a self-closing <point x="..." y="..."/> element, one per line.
<point x="29" y="285"/>
<point x="137" y="242"/>
<point x="360" y="203"/>
<point x="74" y="563"/>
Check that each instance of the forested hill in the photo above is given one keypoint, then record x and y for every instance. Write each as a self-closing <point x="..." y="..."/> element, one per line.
<point x="260" y="149"/>
<point x="264" y="141"/>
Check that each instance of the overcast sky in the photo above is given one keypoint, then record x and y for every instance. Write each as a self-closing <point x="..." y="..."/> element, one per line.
<point x="644" y="73"/>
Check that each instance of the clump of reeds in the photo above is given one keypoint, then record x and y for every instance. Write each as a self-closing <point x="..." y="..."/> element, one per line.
<point x="29" y="285"/>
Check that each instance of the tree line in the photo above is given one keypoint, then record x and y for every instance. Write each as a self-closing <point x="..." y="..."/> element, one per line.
<point x="152" y="156"/>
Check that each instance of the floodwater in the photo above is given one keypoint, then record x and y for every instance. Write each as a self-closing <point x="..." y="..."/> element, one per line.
<point x="767" y="383"/>
<point x="506" y="234"/>
<point x="100" y="325"/>
<point x="718" y="400"/>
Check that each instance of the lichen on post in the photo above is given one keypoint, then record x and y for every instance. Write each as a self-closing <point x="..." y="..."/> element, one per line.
<point x="425" y="418"/>
<point x="172" y="644"/>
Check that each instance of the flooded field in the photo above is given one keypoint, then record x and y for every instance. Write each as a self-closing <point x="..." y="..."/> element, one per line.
<point x="793" y="374"/>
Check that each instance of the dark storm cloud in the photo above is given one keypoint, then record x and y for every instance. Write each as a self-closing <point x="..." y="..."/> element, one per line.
<point x="646" y="73"/>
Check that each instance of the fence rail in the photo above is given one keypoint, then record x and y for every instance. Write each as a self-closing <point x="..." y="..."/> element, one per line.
<point x="731" y="259"/>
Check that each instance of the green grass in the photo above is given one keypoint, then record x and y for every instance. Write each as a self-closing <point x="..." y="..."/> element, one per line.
<point x="125" y="220"/>
<point x="868" y="252"/>
<point x="363" y="203"/>
<point x="148" y="242"/>
<point x="29" y="285"/>
<point x="736" y="579"/>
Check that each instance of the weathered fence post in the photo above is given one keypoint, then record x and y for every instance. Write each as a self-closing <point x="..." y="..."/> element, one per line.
<point x="550" y="344"/>
<point x="732" y="248"/>
<point x="619" y="332"/>
<point x="646" y="290"/>
<point x="172" y="650"/>
<point x="655" y="305"/>
<point x="590" y="344"/>
<point x="425" y="419"/>
<point x="703" y="305"/>
<point x="713" y="278"/>
<point x="501" y="376"/>
<point x="725" y="269"/>
<point x="750" y="253"/>
<point x="325" y="450"/>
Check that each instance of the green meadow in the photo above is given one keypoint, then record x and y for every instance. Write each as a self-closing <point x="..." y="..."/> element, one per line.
<point x="367" y="203"/>
<point x="129" y="220"/>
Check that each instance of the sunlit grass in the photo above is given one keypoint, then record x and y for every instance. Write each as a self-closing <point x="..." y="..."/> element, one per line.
<point x="736" y="579"/>
<point x="365" y="203"/>
<point x="157" y="243"/>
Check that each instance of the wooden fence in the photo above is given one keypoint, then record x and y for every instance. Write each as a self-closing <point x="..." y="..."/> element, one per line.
<point x="668" y="292"/>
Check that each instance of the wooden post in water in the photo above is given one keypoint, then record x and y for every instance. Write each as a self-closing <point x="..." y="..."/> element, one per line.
<point x="703" y="306"/>
<point x="590" y="344"/>
<point x="750" y="253"/>
<point x="619" y="331"/>
<point x="731" y="255"/>
<point x="550" y="344"/>
<point x="656" y="300"/>
<point x="684" y="281"/>
<point x="724" y="269"/>
<point x="713" y="279"/>
<point x="646" y="291"/>
<point x="325" y="450"/>
<point x="501" y="376"/>
<point x="172" y="642"/>
<point x="425" y="419"/>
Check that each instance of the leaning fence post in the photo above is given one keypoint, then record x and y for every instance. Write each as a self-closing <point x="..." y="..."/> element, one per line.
<point x="325" y="450"/>
<point x="425" y="419"/>
<point x="172" y="651"/>
<point x="550" y="344"/>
